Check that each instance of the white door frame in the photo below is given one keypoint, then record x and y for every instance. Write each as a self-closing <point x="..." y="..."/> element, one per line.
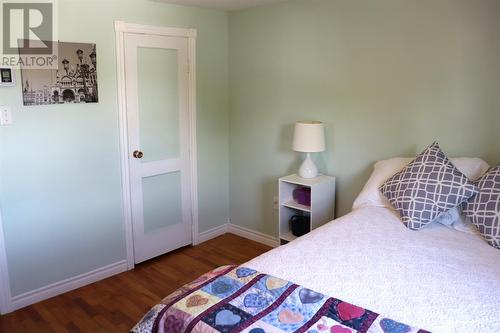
<point x="5" y="297"/>
<point x="121" y="28"/>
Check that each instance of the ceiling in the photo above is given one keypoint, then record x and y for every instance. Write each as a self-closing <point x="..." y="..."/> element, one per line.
<point x="222" y="4"/>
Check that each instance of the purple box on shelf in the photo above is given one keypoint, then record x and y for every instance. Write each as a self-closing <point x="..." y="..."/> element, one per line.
<point x="302" y="195"/>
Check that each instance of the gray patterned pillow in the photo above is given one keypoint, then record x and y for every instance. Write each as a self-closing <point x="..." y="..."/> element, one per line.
<point x="427" y="187"/>
<point x="484" y="208"/>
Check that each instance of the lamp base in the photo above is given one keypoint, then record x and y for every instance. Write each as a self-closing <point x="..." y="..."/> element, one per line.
<point x="308" y="169"/>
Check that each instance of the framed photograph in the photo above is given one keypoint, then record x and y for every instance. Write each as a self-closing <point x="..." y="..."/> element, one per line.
<point x="73" y="81"/>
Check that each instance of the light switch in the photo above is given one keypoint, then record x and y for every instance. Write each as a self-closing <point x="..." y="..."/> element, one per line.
<point x="5" y="115"/>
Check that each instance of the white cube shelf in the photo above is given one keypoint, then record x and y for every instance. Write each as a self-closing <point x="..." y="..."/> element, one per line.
<point x="321" y="210"/>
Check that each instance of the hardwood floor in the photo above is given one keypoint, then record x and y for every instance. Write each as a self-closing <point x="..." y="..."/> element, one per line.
<point x="117" y="303"/>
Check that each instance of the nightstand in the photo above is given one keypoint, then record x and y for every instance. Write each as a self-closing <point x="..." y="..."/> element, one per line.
<point x="321" y="210"/>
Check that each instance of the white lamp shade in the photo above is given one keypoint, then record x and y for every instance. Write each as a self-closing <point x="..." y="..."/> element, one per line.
<point x="309" y="136"/>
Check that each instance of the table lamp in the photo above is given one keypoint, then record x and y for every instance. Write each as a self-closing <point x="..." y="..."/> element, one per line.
<point x="309" y="137"/>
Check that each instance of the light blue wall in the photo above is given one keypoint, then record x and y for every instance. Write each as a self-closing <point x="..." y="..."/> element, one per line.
<point x="388" y="77"/>
<point x="60" y="191"/>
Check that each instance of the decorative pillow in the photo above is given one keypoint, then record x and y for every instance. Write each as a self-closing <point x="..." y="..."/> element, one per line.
<point x="427" y="187"/>
<point x="484" y="208"/>
<point x="371" y="196"/>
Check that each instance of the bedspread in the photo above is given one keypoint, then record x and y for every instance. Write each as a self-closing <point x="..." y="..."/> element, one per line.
<point x="240" y="299"/>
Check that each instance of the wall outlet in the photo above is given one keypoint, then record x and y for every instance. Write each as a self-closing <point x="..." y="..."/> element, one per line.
<point x="275" y="202"/>
<point x="5" y="115"/>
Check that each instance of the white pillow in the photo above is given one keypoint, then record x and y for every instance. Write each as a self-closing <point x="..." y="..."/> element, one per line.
<point x="449" y="217"/>
<point x="370" y="195"/>
<point x="464" y="224"/>
<point x="455" y="219"/>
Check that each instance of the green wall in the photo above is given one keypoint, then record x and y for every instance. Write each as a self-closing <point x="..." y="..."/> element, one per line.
<point x="387" y="77"/>
<point x="60" y="190"/>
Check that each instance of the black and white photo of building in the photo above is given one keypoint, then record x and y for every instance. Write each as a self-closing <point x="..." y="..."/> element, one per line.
<point x="74" y="80"/>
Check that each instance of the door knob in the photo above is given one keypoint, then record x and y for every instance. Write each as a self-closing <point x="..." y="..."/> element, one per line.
<point x="138" y="154"/>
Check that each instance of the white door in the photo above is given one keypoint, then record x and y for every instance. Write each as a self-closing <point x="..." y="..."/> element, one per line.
<point x="156" y="79"/>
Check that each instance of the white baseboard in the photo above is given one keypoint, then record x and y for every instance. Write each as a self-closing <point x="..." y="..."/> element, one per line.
<point x="66" y="285"/>
<point x="84" y="279"/>
<point x="253" y="235"/>
<point x="240" y="231"/>
<point x="212" y="233"/>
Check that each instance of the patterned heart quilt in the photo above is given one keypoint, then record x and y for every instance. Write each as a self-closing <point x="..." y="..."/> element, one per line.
<point x="239" y="299"/>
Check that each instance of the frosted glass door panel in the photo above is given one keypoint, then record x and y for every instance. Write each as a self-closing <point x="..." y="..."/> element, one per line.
<point x="162" y="201"/>
<point x="158" y="97"/>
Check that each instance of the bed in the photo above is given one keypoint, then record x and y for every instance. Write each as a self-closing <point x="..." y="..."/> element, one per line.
<point x="366" y="263"/>
<point x="438" y="278"/>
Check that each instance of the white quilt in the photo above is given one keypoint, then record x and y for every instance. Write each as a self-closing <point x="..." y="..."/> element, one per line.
<point x="437" y="279"/>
